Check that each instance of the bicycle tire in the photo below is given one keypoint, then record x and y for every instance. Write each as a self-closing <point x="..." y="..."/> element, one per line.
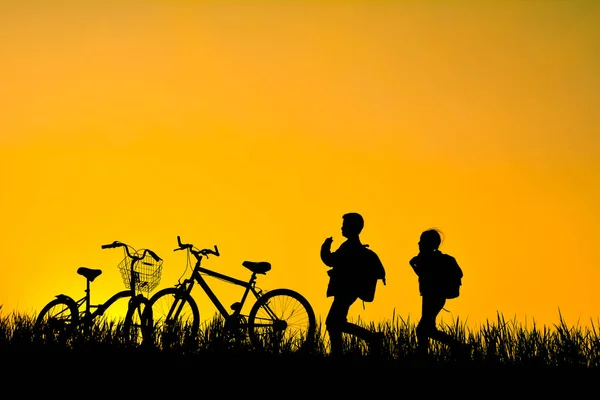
<point x="294" y="329"/>
<point x="137" y="326"/>
<point x="170" y="332"/>
<point x="56" y="322"/>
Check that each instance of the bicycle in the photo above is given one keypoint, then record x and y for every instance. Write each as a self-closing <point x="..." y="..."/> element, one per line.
<point x="279" y="319"/>
<point x="63" y="316"/>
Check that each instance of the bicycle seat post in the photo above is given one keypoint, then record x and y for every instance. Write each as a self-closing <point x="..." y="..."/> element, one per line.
<point x="253" y="278"/>
<point x="88" y="296"/>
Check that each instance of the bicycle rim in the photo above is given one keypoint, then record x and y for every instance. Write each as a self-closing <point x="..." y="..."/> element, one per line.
<point x="282" y="321"/>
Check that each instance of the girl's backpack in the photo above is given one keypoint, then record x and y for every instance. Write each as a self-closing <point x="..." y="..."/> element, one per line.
<point x="452" y="277"/>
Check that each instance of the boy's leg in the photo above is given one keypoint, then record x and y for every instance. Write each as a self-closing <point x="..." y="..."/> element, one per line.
<point x="336" y="321"/>
<point x="374" y="339"/>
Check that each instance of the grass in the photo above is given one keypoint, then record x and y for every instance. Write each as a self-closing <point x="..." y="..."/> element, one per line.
<point x="499" y="343"/>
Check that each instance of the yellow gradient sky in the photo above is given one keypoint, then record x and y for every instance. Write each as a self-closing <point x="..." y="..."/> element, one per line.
<point x="255" y="125"/>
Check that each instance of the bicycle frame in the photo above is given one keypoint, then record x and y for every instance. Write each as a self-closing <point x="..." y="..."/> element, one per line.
<point x="87" y="316"/>
<point x="196" y="277"/>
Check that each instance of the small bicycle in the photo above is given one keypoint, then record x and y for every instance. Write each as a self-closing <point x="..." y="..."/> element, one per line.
<point x="63" y="316"/>
<point x="279" y="320"/>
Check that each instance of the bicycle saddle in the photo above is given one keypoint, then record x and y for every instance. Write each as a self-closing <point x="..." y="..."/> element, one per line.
<point x="88" y="273"/>
<point x="260" y="267"/>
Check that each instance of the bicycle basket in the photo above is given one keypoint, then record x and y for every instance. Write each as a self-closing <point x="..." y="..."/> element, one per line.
<point x="147" y="272"/>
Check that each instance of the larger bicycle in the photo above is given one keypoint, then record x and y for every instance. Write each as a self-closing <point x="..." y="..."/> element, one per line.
<point x="278" y="321"/>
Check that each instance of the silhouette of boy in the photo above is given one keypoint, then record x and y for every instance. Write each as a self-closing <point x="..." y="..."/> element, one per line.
<point x="426" y="265"/>
<point x="343" y="279"/>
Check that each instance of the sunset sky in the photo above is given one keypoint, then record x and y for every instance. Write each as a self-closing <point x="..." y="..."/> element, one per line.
<point x="255" y="125"/>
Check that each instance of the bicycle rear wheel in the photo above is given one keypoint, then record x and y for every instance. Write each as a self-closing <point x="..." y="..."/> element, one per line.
<point x="57" y="321"/>
<point x="282" y="321"/>
<point x="174" y="319"/>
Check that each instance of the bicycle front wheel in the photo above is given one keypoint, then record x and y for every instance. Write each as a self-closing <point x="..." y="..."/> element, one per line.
<point x="57" y="321"/>
<point x="136" y="328"/>
<point x="175" y="318"/>
<point x="282" y="321"/>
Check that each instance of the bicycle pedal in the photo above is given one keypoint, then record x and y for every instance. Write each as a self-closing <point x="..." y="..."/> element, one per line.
<point x="236" y="306"/>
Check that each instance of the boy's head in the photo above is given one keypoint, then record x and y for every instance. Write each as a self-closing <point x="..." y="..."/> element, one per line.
<point x="430" y="240"/>
<point x="352" y="224"/>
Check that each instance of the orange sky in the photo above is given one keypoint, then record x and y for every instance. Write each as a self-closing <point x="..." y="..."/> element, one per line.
<point x="255" y="126"/>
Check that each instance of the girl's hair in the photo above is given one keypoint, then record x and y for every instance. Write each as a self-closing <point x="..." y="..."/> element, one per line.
<point x="433" y="237"/>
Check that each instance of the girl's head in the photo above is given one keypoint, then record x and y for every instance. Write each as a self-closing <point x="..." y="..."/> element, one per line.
<point x="430" y="240"/>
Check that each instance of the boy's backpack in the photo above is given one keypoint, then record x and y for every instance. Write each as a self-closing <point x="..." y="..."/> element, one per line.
<point x="372" y="271"/>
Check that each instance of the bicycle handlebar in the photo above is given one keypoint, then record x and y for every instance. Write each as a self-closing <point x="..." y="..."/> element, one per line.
<point x="153" y="254"/>
<point x="196" y="252"/>
<point x="113" y="245"/>
<point x="116" y="244"/>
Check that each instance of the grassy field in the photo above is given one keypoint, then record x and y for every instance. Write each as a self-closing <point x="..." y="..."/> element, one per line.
<point x="497" y="344"/>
